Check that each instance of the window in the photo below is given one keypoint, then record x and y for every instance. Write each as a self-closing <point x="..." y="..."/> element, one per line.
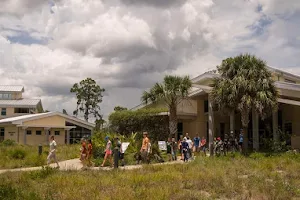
<point x="3" y="111"/>
<point x="56" y="132"/>
<point x="2" y="131"/>
<point x="289" y="81"/>
<point x="21" y="110"/>
<point x="288" y="128"/>
<point x="5" y="96"/>
<point x="38" y="132"/>
<point x="206" y="106"/>
<point x="28" y="132"/>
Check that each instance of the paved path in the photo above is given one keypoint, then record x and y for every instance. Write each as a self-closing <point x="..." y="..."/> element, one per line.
<point x="75" y="164"/>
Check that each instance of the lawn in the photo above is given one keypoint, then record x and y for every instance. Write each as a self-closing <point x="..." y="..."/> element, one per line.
<point x="232" y="177"/>
<point x="27" y="156"/>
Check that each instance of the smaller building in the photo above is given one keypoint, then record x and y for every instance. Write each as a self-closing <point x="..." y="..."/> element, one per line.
<point x="34" y="129"/>
<point x="13" y="104"/>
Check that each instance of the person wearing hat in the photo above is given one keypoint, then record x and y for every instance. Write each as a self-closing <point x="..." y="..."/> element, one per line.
<point x="108" y="152"/>
<point x="145" y="147"/>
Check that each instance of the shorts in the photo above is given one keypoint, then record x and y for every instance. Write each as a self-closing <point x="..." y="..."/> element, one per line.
<point x="108" y="152"/>
<point x="121" y="156"/>
<point x="241" y="143"/>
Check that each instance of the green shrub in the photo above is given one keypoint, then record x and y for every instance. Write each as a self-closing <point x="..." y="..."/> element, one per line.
<point x="8" y="192"/>
<point x="43" y="173"/>
<point x="17" y="153"/>
<point x="8" y="142"/>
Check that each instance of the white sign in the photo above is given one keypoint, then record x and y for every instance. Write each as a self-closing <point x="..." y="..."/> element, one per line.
<point x="162" y="145"/>
<point x="124" y="146"/>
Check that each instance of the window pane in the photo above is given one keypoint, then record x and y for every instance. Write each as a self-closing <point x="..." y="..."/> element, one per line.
<point x="57" y="132"/>
<point x="3" y="111"/>
<point x="28" y="132"/>
<point x="38" y="132"/>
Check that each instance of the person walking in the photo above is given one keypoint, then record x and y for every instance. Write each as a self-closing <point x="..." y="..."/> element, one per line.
<point x="145" y="148"/>
<point x="190" y="150"/>
<point x="180" y="146"/>
<point x="175" y="147"/>
<point x="241" y="140"/>
<point x="203" y="145"/>
<point x="169" y="149"/>
<point x="89" y="152"/>
<point x="197" y="140"/>
<point x="108" y="152"/>
<point x="185" y="149"/>
<point x="52" y="152"/>
<point x="83" y="151"/>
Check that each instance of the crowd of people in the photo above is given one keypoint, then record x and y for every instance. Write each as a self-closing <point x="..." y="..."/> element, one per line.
<point x="185" y="147"/>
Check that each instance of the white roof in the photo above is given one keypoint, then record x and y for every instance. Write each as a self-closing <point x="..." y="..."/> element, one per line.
<point x="20" y="119"/>
<point x="11" y="88"/>
<point x="20" y="103"/>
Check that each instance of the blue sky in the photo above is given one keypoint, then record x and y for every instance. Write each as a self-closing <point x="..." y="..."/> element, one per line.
<point x="127" y="46"/>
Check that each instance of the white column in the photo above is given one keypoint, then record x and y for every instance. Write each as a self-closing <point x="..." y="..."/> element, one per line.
<point x="255" y="130"/>
<point x="232" y="122"/>
<point x="210" y="128"/>
<point x="275" y="125"/>
<point x="24" y="134"/>
<point x="47" y="134"/>
<point x="68" y="136"/>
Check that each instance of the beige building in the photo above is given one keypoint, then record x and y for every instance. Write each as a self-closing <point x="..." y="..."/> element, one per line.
<point x="195" y="115"/>
<point x="23" y="120"/>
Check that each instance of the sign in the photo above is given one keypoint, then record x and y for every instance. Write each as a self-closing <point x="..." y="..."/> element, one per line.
<point x="162" y="145"/>
<point x="124" y="146"/>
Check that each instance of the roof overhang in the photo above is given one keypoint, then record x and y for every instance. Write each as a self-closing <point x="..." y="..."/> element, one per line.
<point x="21" y="119"/>
<point x="47" y="126"/>
<point x="288" y="101"/>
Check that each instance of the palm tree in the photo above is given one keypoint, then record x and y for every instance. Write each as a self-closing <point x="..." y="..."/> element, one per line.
<point x="171" y="92"/>
<point x="245" y="85"/>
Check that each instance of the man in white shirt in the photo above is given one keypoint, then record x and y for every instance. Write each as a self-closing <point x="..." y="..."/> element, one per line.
<point x="190" y="142"/>
<point x="52" y="152"/>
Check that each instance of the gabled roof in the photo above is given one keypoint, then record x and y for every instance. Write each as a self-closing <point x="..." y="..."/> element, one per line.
<point x="11" y="88"/>
<point x="287" y="74"/>
<point x="20" y="119"/>
<point x="20" y="103"/>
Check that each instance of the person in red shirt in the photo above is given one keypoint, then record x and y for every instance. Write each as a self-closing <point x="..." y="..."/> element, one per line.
<point x="89" y="152"/>
<point x="203" y="145"/>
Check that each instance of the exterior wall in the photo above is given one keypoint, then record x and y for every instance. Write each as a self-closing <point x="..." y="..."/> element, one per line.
<point x="47" y="121"/>
<point x="197" y="126"/>
<point x="34" y="139"/>
<point x="17" y="95"/>
<point x="187" y="106"/>
<point x="11" y="132"/>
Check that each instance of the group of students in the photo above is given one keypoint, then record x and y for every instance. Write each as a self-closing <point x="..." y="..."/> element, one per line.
<point x="86" y="152"/>
<point x="186" y="147"/>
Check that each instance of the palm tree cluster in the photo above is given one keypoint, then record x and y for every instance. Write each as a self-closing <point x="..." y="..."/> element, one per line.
<point x="171" y="92"/>
<point x="245" y="84"/>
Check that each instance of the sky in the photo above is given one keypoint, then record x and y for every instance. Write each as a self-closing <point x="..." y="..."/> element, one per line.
<point x="128" y="45"/>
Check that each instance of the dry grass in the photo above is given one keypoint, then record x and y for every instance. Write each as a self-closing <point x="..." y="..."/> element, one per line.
<point x="255" y="177"/>
<point x="27" y="156"/>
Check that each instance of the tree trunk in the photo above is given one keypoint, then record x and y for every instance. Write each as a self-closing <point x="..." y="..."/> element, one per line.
<point x="245" y="122"/>
<point x="173" y="121"/>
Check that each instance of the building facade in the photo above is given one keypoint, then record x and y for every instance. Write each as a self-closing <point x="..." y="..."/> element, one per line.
<point x="24" y="121"/>
<point x="196" y="115"/>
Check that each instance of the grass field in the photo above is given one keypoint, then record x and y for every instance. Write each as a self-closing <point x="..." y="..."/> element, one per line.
<point x="254" y="177"/>
<point x="27" y="156"/>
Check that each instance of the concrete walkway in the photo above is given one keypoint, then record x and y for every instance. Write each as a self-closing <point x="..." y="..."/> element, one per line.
<point x="75" y="164"/>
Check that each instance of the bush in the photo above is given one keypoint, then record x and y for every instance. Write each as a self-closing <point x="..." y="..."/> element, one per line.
<point x="17" y="153"/>
<point x="127" y="122"/>
<point x="43" y="173"/>
<point x="8" y="142"/>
